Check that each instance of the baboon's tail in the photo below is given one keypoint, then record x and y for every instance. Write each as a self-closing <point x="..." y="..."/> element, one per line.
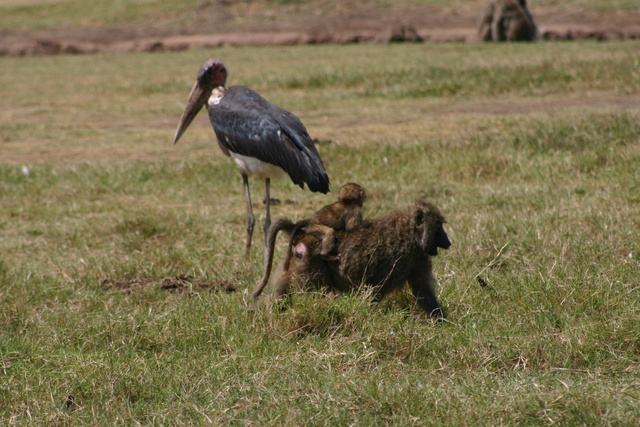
<point x="282" y="224"/>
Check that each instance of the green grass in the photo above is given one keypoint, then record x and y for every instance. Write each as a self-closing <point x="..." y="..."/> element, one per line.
<point x="46" y="14"/>
<point x="543" y="206"/>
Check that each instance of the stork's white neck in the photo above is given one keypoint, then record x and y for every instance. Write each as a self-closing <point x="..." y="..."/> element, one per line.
<point x="216" y="96"/>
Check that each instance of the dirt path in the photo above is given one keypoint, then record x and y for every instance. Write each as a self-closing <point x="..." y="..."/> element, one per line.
<point x="218" y="23"/>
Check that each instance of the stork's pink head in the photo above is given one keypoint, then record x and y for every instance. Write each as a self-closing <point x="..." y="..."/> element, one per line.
<point x="213" y="73"/>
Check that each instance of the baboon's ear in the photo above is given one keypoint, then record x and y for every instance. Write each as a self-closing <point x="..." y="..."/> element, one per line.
<point x="419" y="217"/>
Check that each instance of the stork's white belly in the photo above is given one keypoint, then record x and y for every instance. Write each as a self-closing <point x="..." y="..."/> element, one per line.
<point x="253" y="166"/>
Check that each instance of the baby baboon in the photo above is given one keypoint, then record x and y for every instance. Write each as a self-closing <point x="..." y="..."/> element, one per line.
<point x="382" y="254"/>
<point x="507" y="20"/>
<point x="345" y="214"/>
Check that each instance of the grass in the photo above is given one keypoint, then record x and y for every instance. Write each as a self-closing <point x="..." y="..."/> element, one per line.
<point x="19" y="15"/>
<point x="542" y="205"/>
<point x="47" y="14"/>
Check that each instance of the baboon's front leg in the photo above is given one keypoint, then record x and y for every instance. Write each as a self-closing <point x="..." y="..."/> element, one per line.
<point x="422" y="285"/>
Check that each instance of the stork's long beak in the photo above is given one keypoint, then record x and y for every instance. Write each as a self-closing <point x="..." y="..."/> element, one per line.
<point x="197" y="99"/>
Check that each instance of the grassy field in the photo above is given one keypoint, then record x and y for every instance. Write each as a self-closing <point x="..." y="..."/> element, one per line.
<point x="66" y="14"/>
<point x="533" y="156"/>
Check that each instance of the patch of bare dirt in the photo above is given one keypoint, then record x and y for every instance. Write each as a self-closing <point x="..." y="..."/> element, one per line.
<point x="180" y="283"/>
<point x="221" y="23"/>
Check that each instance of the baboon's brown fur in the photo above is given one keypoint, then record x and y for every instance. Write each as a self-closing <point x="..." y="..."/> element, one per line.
<point x="344" y="214"/>
<point x="507" y="20"/>
<point x="382" y="254"/>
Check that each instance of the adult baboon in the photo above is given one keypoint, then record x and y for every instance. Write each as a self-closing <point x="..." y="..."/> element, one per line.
<point x="382" y="254"/>
<point x="507" y="20"/>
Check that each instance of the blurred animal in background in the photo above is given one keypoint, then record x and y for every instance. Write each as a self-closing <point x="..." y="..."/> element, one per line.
<point x="262" y="139"/>
<point x="398" y="33"/>
<point x="507" y="20"/>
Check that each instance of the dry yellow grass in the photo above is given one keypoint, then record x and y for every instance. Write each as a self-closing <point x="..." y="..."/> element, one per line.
<point x="542" y="205"/>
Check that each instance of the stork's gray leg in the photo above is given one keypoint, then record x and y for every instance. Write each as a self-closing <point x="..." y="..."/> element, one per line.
<point x="267" y="221"/>
<point x="250" y="218"/>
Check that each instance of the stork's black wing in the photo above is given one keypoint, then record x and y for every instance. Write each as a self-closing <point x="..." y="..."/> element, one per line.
<point x="248" y="124"/>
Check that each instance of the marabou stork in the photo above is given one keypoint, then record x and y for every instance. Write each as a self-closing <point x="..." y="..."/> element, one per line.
<point x="261" y="138"/>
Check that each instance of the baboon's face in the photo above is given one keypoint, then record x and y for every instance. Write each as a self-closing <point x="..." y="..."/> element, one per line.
<point x="352" y="192"/>
<point x="430" y="230"/>
<point x="437" y="239"/>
